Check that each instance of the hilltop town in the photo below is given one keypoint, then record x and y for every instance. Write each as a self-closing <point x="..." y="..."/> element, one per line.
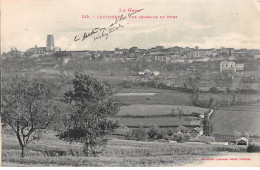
<point x="218" y="69"/>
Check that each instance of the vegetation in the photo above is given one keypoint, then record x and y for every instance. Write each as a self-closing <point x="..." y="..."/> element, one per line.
<point x="47" y="152"/>
<point x="28" y="107"/>
<point x="207" y="127"/>
<point x="92" y="109"/>
<point x="193" y="83"/>
<point x="253" y="148"/>
<point x="86" y="116"/>
<point x="154" y="132"/>
<point x="139" y="134"/>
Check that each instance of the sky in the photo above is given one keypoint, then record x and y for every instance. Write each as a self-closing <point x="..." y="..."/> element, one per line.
<point x="206" y="23"/>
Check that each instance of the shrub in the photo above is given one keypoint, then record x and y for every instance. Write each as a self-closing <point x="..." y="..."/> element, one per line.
<point x="139" y="134"/>
<point x="187" y="137"/>
<point x="180" y="137"/>
<point x="121" y="130"/>
<point x="182" y="129"/>
<point x="206" y="139"/>
<point x="169" y="132"/>
<point x="126" y="84"/>
<point x="253" y="148"/>
<point x="154" y="132"/>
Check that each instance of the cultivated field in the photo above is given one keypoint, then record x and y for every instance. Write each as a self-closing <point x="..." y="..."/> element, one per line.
<point x="158" y="109"/>
<point x="164" y="116"/>
<point x="161" y="97"/>
<point x="161" y="122"/>
<point x="174" y="97"/>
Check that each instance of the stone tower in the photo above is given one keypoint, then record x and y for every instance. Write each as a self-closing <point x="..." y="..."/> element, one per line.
<point x="50" y="43"/>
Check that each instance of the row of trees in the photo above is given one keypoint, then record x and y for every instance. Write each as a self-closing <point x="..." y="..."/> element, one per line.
<point x="31" y="105"/>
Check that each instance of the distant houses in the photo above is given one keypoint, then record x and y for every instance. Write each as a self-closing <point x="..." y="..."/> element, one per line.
<point x="149" y="72"/>
<point x="230" y="66"/>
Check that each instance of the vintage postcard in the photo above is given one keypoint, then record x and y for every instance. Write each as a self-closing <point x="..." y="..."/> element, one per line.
<point x="130" y="83"/>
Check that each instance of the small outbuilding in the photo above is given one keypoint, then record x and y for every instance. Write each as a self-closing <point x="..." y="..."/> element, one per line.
<point x="196" y="132"/>
<point x="241" y="141"/>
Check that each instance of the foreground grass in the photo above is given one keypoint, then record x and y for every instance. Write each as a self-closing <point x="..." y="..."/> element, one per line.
<point x="176" y="160"/>
<point x="50" y="151"/>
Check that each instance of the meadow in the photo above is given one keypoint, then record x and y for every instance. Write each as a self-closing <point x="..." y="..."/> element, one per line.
<point x="243" y="119"/>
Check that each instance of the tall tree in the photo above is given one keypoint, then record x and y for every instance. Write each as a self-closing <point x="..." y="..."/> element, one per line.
<point x="28" y="107"/>
<point x="194" y="84"/>
<point x="93" y="112"/>
<point x="206" y="125"/>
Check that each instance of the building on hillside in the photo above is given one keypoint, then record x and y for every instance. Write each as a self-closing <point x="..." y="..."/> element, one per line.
<point x="257" y="58"/>
<point x="240" y="67"/>
<point x="176" y="49"/>
<point x="196" y="132"/>
<point x="133" y="50"/>
<point x="241" y="141"/>
<point x="122" y="51"/>
<point x="225" y="51"/>
<point x="38" y="51"/>
<point x="156" y="73"/>
<point x="85" y="53"/>
<point x="228" y="65"/>
<point x="202" y="52"/>
<point x="118" y="51"/>
<point x="251" y="81"/>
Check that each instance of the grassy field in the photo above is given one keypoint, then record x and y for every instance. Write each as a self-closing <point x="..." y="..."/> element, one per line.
<point x="158" y="109"/>
<point x="161" y="122"/>
<point x="50" y="151"/>
<point x="238" y="118"/>
<point x="174" y="97"/>
<point x="161" y="115"/>
<point x="162" y="97"/>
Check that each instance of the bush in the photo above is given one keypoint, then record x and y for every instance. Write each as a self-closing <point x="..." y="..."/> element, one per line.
<point x="139" y="134"/>
<point x="126" y="84"/>
<point x="253" y="148"/>
<point x="122" y="130"/>
<point x="187" y="137"/>
<point x="180" y="137"/>
<point x="182" y="129"/>
<point x="154" y="132"/>
<point x="169" y="132"/>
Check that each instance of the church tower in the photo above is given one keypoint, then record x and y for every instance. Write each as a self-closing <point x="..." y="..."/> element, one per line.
<point x="50" y="43"/>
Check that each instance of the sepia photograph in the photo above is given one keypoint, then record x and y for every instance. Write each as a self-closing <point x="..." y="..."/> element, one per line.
<point x="130" y="83"/>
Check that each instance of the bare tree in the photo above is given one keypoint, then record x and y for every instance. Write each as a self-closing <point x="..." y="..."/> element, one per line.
<point x="27" y="108"/>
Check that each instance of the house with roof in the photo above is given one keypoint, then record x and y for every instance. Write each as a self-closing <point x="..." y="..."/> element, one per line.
<point x="36" y="50"/>
<point x="240" y="66"/>
<point x="241" y="141"/>
<point x="196" y="132"/>
<point x="251" y="81"/>
<point x="228" y="65"/>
